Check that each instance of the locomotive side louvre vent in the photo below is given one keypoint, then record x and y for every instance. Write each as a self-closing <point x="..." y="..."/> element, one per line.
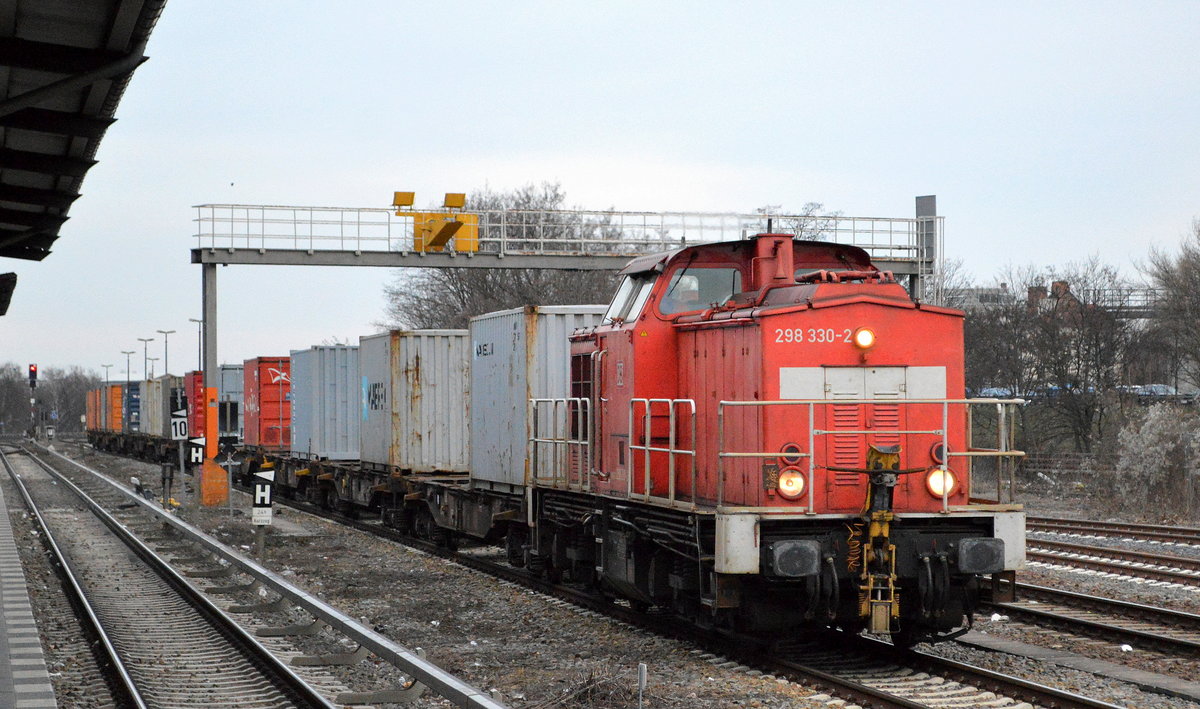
<point x="846" y="448"/>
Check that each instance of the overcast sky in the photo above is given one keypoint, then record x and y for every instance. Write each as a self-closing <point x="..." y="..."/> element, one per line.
<point x="1048" y="131"/>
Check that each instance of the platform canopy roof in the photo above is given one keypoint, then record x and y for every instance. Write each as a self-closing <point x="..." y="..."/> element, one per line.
<point x="64" y="65"/>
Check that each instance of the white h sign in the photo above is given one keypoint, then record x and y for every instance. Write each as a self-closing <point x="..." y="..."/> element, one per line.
<point x="263" y="482"/>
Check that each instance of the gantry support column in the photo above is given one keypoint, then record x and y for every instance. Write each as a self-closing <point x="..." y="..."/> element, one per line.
<point x="214" y="485"/>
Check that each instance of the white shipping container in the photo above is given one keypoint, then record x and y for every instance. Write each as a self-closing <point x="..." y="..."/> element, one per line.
<point x="157" y="399"/>
<point x="415" y="397"/>
<point x="151" y="408"/>
<point x="517" y="355"/>
<point x="326" y="402"/>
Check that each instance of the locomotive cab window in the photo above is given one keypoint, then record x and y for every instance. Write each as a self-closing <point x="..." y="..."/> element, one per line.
<point x="631" y="296"/>
<point x="696" y="288"/>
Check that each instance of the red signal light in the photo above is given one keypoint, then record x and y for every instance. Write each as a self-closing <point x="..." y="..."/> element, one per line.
<point x="32" y="375"/>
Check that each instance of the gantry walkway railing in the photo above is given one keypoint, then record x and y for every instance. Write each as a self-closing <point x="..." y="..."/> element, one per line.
<point x="569" y="239"/>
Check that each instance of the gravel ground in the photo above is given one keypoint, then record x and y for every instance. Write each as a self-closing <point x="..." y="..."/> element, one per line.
<point x="1138" y="658"/>
<point x="540" y="653"/>
<point x="1085" y="683"/>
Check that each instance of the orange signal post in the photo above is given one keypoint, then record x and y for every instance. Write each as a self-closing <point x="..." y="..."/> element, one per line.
<point x="214" y="485"/>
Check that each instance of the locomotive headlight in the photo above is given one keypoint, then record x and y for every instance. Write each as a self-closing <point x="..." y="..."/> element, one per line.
<point x="940" y="481"/>
<point x="864" y="338"/>
<point x="791" y="483"/>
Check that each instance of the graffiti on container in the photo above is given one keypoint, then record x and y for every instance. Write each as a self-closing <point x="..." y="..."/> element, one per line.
<point x="377" y="396"/>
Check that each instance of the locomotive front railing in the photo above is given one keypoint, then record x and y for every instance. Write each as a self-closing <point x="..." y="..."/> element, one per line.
<point x="671" y="450"/>
<point x="1003" y="452"/>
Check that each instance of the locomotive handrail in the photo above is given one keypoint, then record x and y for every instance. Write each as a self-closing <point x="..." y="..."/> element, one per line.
<point x="670" y="450"/>
<point x="1003" y="452"/>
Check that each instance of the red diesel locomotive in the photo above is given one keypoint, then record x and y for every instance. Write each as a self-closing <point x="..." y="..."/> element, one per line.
<point x="764" y="434"/>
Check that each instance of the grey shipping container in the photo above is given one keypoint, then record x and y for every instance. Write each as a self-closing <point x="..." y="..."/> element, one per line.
<point x="517" y="355"/>
<point x="416" y="392"/>
<point x="326" y="402"/>
<point x="160" y="397"/>
<point x="229" y="383"/>
<point x="229" y="400"/>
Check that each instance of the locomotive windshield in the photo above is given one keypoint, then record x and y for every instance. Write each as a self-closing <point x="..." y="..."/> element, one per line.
<point x="630" y="298"/>
<point x="696" y="288"/>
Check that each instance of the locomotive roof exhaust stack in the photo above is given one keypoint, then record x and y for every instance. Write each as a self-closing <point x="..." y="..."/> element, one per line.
<point x="774" y="264"/>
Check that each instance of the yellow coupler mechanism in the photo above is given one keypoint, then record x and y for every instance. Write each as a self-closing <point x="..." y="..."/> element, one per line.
<point x="878" y="601"/>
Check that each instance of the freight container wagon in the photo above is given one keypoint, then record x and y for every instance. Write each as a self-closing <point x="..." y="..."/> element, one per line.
<point x="416" y="397"/>
<point x="132" y="413"/>
<point x="197" y="412"/>
<point x="326" y="403"/>
<point x="112" y="408"/>
<point x="161" y="397"/>
<point x="267" y="415"/>
<point x="517" y="355"/>
<point x="92" y="410"/>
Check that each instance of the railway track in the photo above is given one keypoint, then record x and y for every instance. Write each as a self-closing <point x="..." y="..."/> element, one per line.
<point x="165" y="645"/>
<point x="224" y="574"/>
<point x="1147" y="532"/>
<point x="1155" y="567"/>
<point x="1137" y="624"/>
<point x="856" y="669"/>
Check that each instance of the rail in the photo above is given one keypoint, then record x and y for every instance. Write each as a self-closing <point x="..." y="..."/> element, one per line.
<point x="537" y="232"/>
<point x="196" y="599"/>
<point x="1003" y="451"/>
<point x="127" y="684"/>
<point x="411" y="663"/>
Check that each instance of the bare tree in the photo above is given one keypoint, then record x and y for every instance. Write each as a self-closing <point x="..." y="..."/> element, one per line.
<point x="953" y="282"/>
<point x="1058" y="338"/>
<point x="59" y="391"/>
<point x="1080" y="341"/>
<point x="14" y="399"/>
<point x="808" y="223"/>
<point x="1177" y="278"/>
